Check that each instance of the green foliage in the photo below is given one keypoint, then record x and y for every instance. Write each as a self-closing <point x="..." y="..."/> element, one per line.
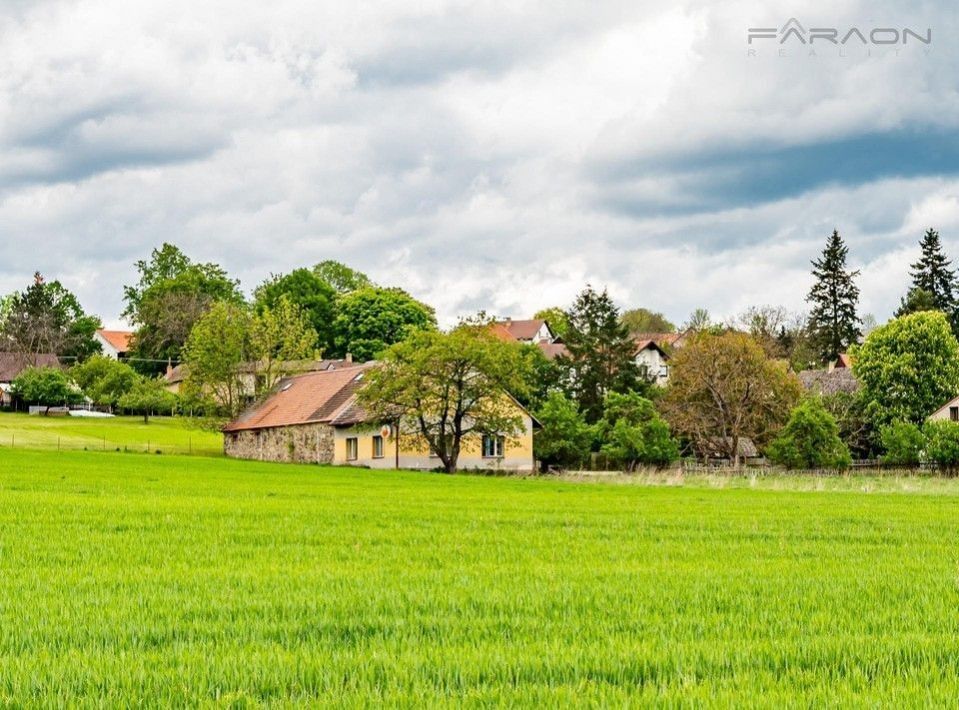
<point x="279" y="334"/>
<point x="810" y="439"/>
<point x="916" y="301"/>
<point x="444" y="386"/>
<point x="544" y="376"/>
<point x="556" y="318"/>
<point x="942" y="444"/>
<point x="371" y="319"/>
<point x="699" y="321"/>
<point x="170" y="296"/>
<point x="601" y="353"/>
<point x="643" y="320"/>
<point x="931" y="275"/>
<point x="565" y="438"/>
<point x="315" y="298"/>
<point x="833" y="323"/>
<point x="903" y="443"/>
<point x="632" y="433"/>
<point x="855" y="427"/>
<point x="45" y="386"/>
<point x="907" y="368"/>
<point x="47" y="318"/>
<point x="216" y="348"/>
<point x="103" y="379"/>
<point x="148" y="397"/>
<point x="340" y="277"/>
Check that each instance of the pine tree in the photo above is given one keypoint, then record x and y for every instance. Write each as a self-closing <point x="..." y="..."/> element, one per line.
<point x="933" y="275"/>
<point x="833" y="323"/>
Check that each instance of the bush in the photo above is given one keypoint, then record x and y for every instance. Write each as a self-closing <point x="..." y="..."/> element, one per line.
<point x="810" y="439"/>
<point x="942" y="444"/>
<point x="903" y="443"/>
<point x="565" y="438"/>
<point x="632" y="433"/>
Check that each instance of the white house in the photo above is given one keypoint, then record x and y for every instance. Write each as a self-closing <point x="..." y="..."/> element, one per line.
<point x="115" y="343"/>
<point x="534" y="330"/>
<point x="947" y="412"/>
<point x="653" y="359"/>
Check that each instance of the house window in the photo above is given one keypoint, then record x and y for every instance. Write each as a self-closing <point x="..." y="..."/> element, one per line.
<point x="351" y="449"/>
<point x="954" y="414"/>
<point x="449" y="447"/>
<point x="377" y="447"/>
<point x="492" y="447"/>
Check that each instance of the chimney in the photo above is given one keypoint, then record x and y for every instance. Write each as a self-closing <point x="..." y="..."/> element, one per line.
<point x="349" y="357"/>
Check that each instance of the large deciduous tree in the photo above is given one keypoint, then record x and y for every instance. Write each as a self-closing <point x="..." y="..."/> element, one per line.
<point x="723" y="388"/>
<point x="833" y="323"/>
<point x="213" y="355"/>
<point x="47" y="318"/>
<point x="340" y="277"/>
<point x="445" y="387"/>
<point x="315" y="298"/>
<point x="371" y="319"/>
<point x="601" y="353"/>
<point x="280" y="337"/>
<point x="643" y="320"/>
<point x="103" y="379"/>
<point x="907" y="368"/>
<point x="171" y="294"/>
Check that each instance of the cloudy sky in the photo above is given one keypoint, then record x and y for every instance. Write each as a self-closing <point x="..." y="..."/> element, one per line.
<point x="481" y="155"/>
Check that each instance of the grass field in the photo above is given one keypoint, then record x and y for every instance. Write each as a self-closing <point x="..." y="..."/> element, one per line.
<point x="165" y="434"/>
<point x="164" y="580"/>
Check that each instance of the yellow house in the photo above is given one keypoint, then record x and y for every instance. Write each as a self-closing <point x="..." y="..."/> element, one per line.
<point x="315" y="418"/>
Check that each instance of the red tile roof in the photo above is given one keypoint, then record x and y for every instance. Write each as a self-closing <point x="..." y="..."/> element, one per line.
<point x="523" y="329"/>
<point x="553" y="350"/>
<point x="315" y="397"/>
<point x="118" y="339"/>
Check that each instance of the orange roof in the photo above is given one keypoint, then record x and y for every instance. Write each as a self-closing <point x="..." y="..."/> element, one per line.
<point x="553" y="350"/>
<point x="501" y="332"/>
<point x="315" y="397"/>
<point x="523" y="329"/>
<point x="844" y="360"/>
<point x="119" y="339"/>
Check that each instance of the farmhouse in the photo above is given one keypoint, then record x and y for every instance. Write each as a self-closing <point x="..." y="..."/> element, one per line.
<point x="316" y="418"/>
<point x="115" y="344"/>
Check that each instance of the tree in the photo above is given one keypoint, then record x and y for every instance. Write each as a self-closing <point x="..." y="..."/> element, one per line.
<point x="103" y="379"/>
<point x="933" y="275"/>
<point x="643" y="320"/>
<point x="855" y="427"/>
<point x="916" y="301"/>
<point x="148" y="396"/>
<point x="46" y="387"/>
<point x="631" y="432"/>
<point x="723" y="388"/>
<point x="444" y="387"/>
<point x="371" y="319"/>
<point x="907" y="368"/>
<point x="810" y="439"/>
<point x="279" y="334"/>
<point x="213" y="353"/>
<point x="942" y="444"/>
<point x="601" y="353"/>
<point x="544" y="376"/>
<point x="699" y="320"/>
<point x="308" y="292"/>
<point x="340" y="277"/>
<point x="47" y="318"/>
<point x="903" y="443"/>
<point x="833" y="323"/>
<point x="171" y="294"/>
<point x="565" y="438"/>
<point x="556" y="317"/>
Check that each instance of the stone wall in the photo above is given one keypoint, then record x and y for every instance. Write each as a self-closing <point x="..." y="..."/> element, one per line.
<point x="305" y="443"/>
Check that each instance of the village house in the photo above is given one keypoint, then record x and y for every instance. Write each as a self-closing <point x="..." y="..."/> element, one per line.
<point x="115" y="344"/>
<point x="535" y="331"/>
<point x="652" y="359"/>
<point x="316" y="418"/>
<point x="947" y="412"/>
<point x="12" y="364"/>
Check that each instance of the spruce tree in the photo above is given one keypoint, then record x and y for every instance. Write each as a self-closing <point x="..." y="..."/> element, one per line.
<point x="933" y="275"/>
<point x="600" y="355"/>
<point x="833" y="323"/>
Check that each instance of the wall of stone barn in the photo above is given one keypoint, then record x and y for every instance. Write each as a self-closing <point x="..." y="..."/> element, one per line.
<point x="303" y="443"/>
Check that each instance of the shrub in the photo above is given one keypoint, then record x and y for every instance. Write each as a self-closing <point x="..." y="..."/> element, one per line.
<point x="565" y="438"/>
<point x="810" y="439"/>
<point x="46" y="386"/>
<point x="903" y="443"/>
<point x="632" y="433"/>
<point x="942" y="444"/>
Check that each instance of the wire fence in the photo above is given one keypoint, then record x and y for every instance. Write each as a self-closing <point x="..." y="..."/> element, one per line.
<point x="32" y="442"/>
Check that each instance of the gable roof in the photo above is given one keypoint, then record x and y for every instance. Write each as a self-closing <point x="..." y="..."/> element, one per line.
<point x="844" y="360"/>
<point x="12" y="364"/>
<point x="552" y="350"/>
<point x="647" y="344"/>
<point x="180" y="372"/>
<point x="524" y="329"/>
<point x="119" y="340"/>
<point x="945" y="407"/>
<point x="314" y="397"/>
<point x="840" y="379"/>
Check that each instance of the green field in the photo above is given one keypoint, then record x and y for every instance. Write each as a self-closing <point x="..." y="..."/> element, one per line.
<point x="164" y="434"/>
<point x="164" y="580"/>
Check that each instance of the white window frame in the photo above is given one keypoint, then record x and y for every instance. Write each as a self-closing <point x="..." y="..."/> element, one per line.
<point x="498" y="446"/>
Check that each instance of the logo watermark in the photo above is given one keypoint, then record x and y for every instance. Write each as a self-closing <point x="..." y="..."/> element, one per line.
<point x="792" y="39"/>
